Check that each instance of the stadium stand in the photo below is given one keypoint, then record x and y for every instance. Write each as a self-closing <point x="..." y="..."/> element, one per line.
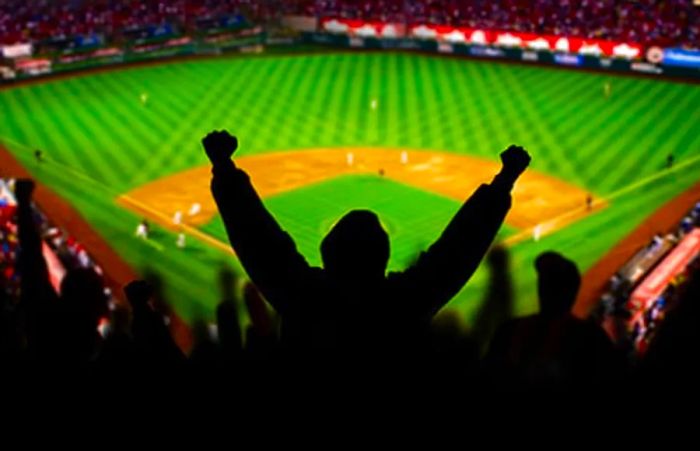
<point x="61" y="251"/>
<point x="8" y="242"/>
<point x="642" y="292"/>
<point x="36" y="20"/>
<point x="648" y="22"/>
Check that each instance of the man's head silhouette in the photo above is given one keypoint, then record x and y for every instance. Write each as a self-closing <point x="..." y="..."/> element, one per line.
<point x="357" y="247"/>
<point x="558" y="283"/>
<point x="83" y="293"/>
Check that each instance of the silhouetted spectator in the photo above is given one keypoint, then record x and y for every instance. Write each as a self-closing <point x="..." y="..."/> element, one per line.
<point x="227" y="319"/>
<point x="10" y="333"/>
<point x="671" y="360"/>
<point x="351" y="304"/>
<point x="118" y="348"/>
<point x="454" y="352"/>
<point x="58" y="330"/>
<point x="553" y="348"/>
<point x="497" y="306"/>
<point x="151" y="335"/>
<point x="206" y="351"/>
<point x="38" y="300"/>
<point x="83" y="304"/>
<point x="261" y="335"/>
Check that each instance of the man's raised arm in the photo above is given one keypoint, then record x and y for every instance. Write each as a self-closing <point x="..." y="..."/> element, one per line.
<point x="36" y="288"/>
<point x="267" y="253"/>
<point x="442" y="271"/>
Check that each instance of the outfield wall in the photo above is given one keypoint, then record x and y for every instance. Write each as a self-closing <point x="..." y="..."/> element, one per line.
<point x="597" y="54"/>
<point x="489" y="52"/>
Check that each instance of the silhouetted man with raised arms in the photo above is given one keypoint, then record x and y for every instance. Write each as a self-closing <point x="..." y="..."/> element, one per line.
<point x="352" y="305"/>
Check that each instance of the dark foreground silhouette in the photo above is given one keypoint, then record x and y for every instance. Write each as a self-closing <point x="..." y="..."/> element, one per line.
<point x="553" y="349"/>
<point x="351" y="305"/>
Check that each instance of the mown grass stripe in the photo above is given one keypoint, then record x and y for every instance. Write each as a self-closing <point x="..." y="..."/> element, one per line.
<point x="87" y="138"/>
<point x="654" y="127"/>
<point x="596" y="140"/>
<point x="57" y="142"/>
<point x="634" y="132"/>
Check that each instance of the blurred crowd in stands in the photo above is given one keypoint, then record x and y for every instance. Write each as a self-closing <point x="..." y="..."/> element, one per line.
<point x="658" y="22"/>
<point x="37" y="20"/>
<point x="649" y="22"/>
<point x="8" y="242"/>
<point x="61" y="251"/>
<point x="641" y="292"/>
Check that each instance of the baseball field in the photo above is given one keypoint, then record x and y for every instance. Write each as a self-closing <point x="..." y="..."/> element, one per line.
<point x="409" y="136"/>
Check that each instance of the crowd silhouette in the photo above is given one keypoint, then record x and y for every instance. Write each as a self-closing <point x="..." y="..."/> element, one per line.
<point x="349" y="318"/>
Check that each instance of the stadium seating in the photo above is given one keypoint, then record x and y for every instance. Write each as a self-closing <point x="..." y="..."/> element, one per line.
<point x="643" y="289"/>
<point x="62" y="251"/>
<point x="37" y="20"/>
<point x="8" y="243"/>
<point x="665" y="23"/>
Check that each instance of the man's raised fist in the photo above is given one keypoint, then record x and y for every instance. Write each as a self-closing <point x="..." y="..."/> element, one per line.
<point x="219" y="146"/>
<point x="515" y="160"/>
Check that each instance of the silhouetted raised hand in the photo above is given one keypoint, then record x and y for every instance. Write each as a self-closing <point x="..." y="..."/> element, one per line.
<point x="220" y="146"/>
<point x="515" y="160"/>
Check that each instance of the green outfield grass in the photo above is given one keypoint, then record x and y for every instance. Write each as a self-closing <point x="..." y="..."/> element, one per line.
<point x="101" y="141"/>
